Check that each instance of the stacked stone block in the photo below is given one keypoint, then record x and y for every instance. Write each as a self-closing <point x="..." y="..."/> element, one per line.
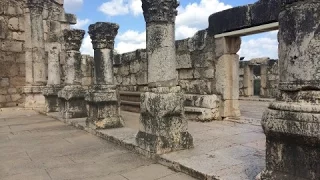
<point x="12" y="64"/>
<point x="103" y="97"/>
<point x="131" y="71"/>
<point x="87" y="71"/>
<point x="71" y="97"/>
<point x="196" y="70"/>
<point x="291" y="123"/>
<point x="164" y="127"/>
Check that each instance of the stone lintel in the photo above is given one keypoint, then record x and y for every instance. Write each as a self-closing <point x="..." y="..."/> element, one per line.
<point x="73" y="39"/>
<point x="103" y="34"/>
<point x="160" y="11"/>
<point x="51" y="90"/>
<point x="72" y="92"/>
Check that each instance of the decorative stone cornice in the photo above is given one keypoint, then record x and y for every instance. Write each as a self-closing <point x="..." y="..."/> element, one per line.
<point x="73" y="39"/>
<point x="160" y="10"/>
<point x="103" y="34"/>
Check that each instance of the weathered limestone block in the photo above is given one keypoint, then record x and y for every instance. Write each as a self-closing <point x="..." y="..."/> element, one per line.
<point x="71" y="97"/>
<point x="163" y="125"/>
<point x="35" y="55"/>
<point x="202" y="107"/>
<point x="87" y="70"/>
<point x="51" y="97"/>
<point x="160" y="17"/>
<point x="54" y="80"/>
<point x="227" y="75"/>
<point x="248" y="80"/>
<point x="103" y="97"/>
<point x="291" y="124"/>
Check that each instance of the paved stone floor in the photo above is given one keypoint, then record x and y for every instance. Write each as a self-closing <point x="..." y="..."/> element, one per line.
<point x="228" y="150"/>
<point x="33" y="146"/>
<point x="37" y="147"/>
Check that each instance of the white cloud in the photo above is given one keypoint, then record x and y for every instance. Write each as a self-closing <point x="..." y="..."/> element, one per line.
<point x="73" y="5"/>
<point x="121" y="7"/>
<point x="135" y="7"/>
<point x="81" y="23"/>
<point x="195" y="15"/>
<point x="86" y="47"/>
<point x="264" y="46"/>
<point x="114" y="8"/>
<point x="183" y="32"/>
<point x="130" y="41"/>
<point x="190" y="19"/>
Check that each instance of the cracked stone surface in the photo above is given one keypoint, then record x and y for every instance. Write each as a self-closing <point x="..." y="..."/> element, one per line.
<point x="34" y="146"/>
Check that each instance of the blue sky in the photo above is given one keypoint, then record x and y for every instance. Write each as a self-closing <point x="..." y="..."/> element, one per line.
<point x="193" y="16"/>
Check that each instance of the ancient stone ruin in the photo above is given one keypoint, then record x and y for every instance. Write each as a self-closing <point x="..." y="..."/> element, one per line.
<point x="171" y="82"/>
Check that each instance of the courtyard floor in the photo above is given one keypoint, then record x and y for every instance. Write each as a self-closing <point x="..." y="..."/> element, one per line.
<point x="39" y="147"/>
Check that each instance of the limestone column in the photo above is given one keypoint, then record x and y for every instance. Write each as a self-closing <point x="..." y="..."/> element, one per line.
<point x="264" y="79"/>
<point x="35" y="56"/>
<point x="164" y="127"/>
<point x="103" y="98"/>
<point x="291" y="124"/>
<point x="54" y="73"/>
<point x="227" y="75"/>
<point x="248" y="80"/>
<point x="71" y="97"/>
<point x="50" y="92"/>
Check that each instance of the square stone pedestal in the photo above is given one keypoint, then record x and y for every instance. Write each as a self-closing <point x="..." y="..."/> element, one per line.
<point x="72" y="103"/>
<point x="164" y="127"/>
<point x="104" y="108"/>
<point x="293" y="141"/>
<point x="51" y="98"/>
<point x="34" y="97"/>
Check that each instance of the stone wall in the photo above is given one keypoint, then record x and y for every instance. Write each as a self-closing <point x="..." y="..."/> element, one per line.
<point x="17" y="65"/>
<point x="263" y="69"/>
<point x="195" y="66"/>
<point x="131" y="71"/>
<point x="12" y="53"/>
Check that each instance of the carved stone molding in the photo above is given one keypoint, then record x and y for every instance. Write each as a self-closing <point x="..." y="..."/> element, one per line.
<point x="103" y="34"/>
<point x="160" y="11"/>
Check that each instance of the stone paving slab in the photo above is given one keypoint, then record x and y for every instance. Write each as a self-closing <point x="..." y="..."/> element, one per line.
<point x="225" y="150"/>
<point x="37" y="147"/>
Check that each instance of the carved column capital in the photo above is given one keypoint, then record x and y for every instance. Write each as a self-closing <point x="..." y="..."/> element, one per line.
<point x="160" y="10"/>
<point x="73" y="38"/>
<point x="103" y="34"/>
<point x="36" y="5"/>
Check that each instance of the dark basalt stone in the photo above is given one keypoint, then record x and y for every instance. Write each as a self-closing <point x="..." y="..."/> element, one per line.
<point x="259" y="13"/>
<point x="230" y="20"/>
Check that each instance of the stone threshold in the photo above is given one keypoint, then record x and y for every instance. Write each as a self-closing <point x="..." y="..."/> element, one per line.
<point x="125" y="137"/>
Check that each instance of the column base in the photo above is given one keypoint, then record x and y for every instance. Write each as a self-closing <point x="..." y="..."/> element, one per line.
<point x="34" y="97"/>
<point x="229" y="109"/>
<point x="104" y="108"/>
<point x="293" y="141"/>
<point x="51" y="98"/>
<point x="164" y="127"/>
<point x="72" y="103"/>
